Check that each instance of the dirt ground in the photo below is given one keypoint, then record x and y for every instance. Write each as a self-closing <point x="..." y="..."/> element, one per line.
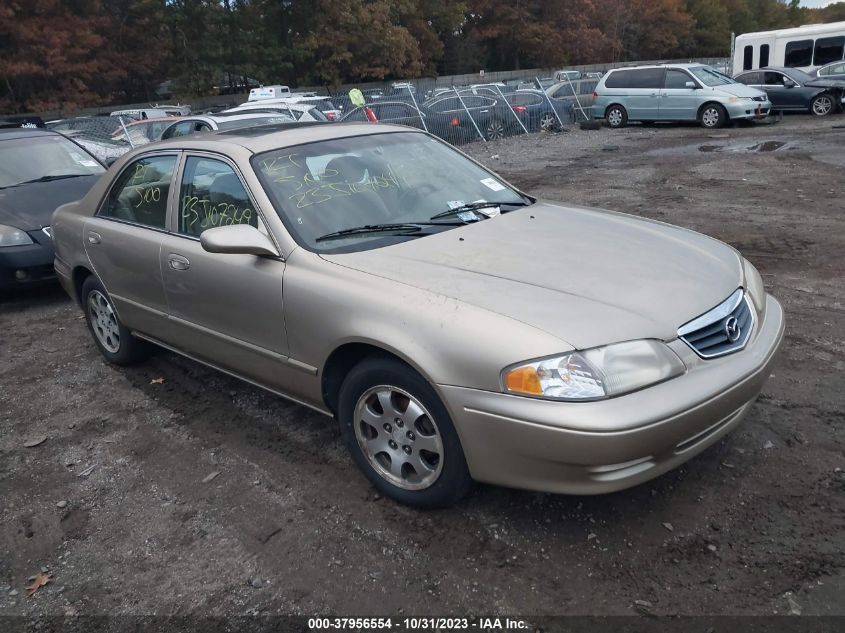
<point x="120" y="502"/>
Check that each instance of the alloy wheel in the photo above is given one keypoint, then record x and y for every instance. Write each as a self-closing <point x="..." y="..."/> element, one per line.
<point x="495" y="130"/>
<point x="614" y="118"/>
<point x="398" y="437"/>
<point x="822" y="105"/>
<point x="548" y="122"/>
<point x="710" y="117"/>
<point x="103" y="321"/>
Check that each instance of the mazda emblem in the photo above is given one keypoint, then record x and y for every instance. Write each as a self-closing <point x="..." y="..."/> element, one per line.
<point x="732" y="329"/>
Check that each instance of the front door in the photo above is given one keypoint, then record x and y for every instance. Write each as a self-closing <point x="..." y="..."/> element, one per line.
<point x="678" y="102"/>
<point x="782" y="96"/>
<point x="123" y="241"/>
<point x="224" y="309"/>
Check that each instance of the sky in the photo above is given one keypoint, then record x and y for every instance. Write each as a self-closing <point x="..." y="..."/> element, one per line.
<point x="816" y="3"/>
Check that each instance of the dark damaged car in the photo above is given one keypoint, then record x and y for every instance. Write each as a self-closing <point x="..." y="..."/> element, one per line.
<point x="39" y="171"/>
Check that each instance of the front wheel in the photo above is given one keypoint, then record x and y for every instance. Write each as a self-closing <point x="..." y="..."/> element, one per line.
<point x="549" y="122"/>
<point x="822" y="104"/>
<point x="113" y="339"/>
<point x="400" y="434"/>
<point x="616" y="116"/>
<point x="713" y="116"/>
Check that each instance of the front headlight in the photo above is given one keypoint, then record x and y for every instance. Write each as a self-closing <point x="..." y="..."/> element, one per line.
<point x="596" y="373"/>
<point x="754" y="285"/>
<point x="10" y="236"/>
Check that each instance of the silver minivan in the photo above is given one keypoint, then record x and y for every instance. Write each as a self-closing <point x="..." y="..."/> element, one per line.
<point x="675" y="92"/>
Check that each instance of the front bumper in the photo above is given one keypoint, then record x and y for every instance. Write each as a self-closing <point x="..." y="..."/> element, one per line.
<point x="748" y="109"/>
<point x="27" y="265"/>
<point x="599" y="447"/>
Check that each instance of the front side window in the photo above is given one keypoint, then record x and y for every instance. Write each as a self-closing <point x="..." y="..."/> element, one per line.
<point x="748" y="58"/>
<point x="798" y="53"/>
<point x="677" y="80"/>
<point x="774" y="79"/>
<point x="400" y="177"/>
<point x="828" y="49"/>
<point x="140" y="193"/>
<point x="42" y="158"/>
<point x="212" y="195"/>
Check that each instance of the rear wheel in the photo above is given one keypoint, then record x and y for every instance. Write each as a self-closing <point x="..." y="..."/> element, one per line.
<point x="548" y="122"/>
<point x="115" y="342"/>
<point x="616" y="116"/>
<point x="822" y="104"/>
<point x="495" y="130"/>
<point x="400" y="434"/>
<point x="713" y="116"/>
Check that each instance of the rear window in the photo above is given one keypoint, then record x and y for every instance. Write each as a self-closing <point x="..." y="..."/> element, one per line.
<point x="799" y="53"/>
<point x="618" y="79"/>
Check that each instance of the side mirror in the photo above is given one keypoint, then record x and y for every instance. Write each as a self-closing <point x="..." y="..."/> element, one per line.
<point x="691" y="84"/>
<point x="237" y="239"/>
<point x="788" y="83"/>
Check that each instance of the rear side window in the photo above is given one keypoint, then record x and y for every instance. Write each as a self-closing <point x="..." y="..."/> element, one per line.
<point x="646" y="78"/>
<point x="748" y="58"/>
<point x="764" y="55"/>
<point x="140" y="193"/>
<point x="212" y="195"/>
<point x="566" y="91"/>
<point x="799" y="53"/>
<point x="525" y="99"/>
<point x="618" y="79"/>
<point x="828" y="49"/>
<point x="750" y="79"/>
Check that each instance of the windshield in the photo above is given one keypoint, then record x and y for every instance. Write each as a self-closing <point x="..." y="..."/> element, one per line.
<point x="710" y="77"/>
<point x="405" y="177"/>
<point x="32" y="158"/>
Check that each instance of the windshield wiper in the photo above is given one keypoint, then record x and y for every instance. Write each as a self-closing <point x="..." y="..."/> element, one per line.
<point x="49" y="179"/>
<point x="474" y="206"/>
<point x="371" y="228"/>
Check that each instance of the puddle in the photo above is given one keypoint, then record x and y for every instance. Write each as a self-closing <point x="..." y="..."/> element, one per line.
<point x="765" y="146"/>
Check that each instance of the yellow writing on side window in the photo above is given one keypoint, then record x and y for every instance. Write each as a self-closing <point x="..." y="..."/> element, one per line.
<point x="203" y="213"/>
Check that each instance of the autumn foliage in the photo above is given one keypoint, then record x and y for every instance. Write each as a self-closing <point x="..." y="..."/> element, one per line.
<point x="66" y="54"/>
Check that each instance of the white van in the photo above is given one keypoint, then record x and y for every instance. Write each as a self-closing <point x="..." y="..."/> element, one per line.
<point x="268" y="92"/>
<point x="805" y="47"/>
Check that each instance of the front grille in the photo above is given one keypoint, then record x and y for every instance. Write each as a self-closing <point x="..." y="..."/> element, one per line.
<point x="722" y="330"/>
<point x="760" y="98"/>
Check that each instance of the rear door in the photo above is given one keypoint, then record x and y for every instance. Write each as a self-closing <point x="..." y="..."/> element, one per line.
<point x="678" y="102"/>
<point x="225" y="309"/>
<point x="643" y="92"/>
<point x="123" y="240"/>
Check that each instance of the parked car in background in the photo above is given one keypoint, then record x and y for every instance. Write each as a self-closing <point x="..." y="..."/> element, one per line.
<point x="39" y="171"/>
<point x="223" y="121"/>
<point x="289" y="107"/>
<point x="140" y="113"/>
<point x="675" y="92"/>
<point x="174" y="110"/>
<point x="144" y="131"/>
<point x="539" y="113"/>
<point x="567" y="91"/>
<point x="463" y="116"/>
<point x="321" y="103"/>
<point x="791" y="89"/>
<point x="563" y="75"/>
<point x="394" y="112"/>
<point x="835" y="70"/>
<point x="378" y="276"/>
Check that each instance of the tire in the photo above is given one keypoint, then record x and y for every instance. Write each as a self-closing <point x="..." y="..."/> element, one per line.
<point x="548" y="122"/>
<point x="495" y="130"/>
<point x="822" y="104"/>
<point x="414" y="458"/>
<point x="712" y="116"/>
<point x="616" y="117"/>
<point x="115" y="342"/>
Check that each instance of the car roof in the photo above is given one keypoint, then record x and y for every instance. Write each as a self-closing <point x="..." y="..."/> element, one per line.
<point x="10" y="133"/>
<point x="269" y="137"/>
<point x="668" y="65"/>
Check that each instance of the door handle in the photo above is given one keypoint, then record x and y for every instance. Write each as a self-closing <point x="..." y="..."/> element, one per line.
<point x="94" y="238"/>
<point x="177" y="262"/>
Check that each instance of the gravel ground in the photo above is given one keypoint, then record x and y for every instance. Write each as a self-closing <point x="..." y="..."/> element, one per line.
<point x="171" y="489"/>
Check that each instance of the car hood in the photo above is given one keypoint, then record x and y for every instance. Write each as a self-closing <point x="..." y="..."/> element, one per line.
<point x="30" y="207"/>
<point x="740" y="90"/>
<point x="588" y="277"/>
<point x="820" y="82"/>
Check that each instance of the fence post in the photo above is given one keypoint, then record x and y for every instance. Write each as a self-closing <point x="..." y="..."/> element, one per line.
<point x="508" y="106"/>
<point x="577" y="101"/>
<point x="126" y="132"/>
<point x="419" y="112"/>
<point x="474" y="124"/>
<point x="549" y="101"/>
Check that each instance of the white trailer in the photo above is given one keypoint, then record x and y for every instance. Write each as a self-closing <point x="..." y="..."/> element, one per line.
<point x="804" y="47"/>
